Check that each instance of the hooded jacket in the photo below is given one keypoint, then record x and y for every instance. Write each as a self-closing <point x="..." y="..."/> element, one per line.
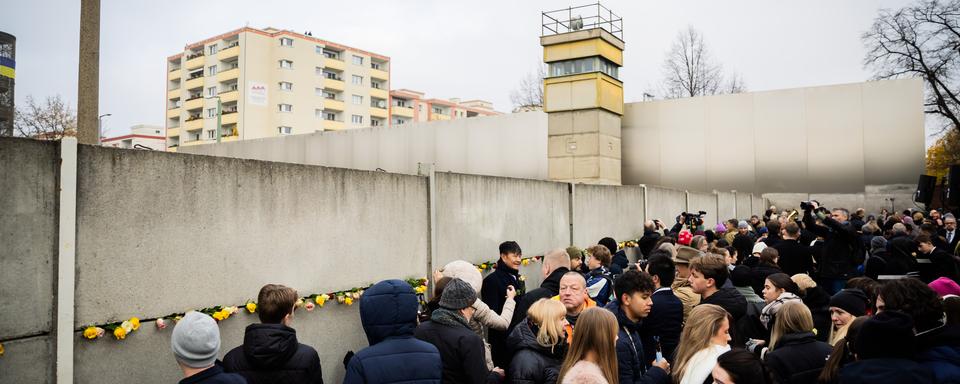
<point x="797" y="357"/>
<point x="939" y="350"/>
<point x="631" y="366"/>
<point x="461" y="350"/>
<point x="271" y="354"/>
<point x="533" y="363"/>
<point x="388" y="313"/>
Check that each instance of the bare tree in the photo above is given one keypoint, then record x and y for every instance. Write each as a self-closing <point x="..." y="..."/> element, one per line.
<point x="921" y="40"/>
<point x="529" y="93"/>
<point x="690" y="70"/>
<point x="735" y="84"/>
<point x="51" y="120"/>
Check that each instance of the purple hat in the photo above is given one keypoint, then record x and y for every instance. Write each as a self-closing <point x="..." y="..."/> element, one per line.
<point x="720" y="228"/>
<point x="944" y="286"/>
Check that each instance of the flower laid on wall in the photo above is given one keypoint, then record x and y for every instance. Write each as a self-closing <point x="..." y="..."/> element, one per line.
<point x="491" y="265"/>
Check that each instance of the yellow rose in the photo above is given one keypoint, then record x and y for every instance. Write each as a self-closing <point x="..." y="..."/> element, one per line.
<point x="90" y="333"/>
<point x="525" y="262"/>
<point x="127" y="326"/>
<point x="348" y="301"/>
<point x="220" y="315"/>
<point x="480" y="270"/>
<point x="420" y="290"/>
<point x="251" y="307"/>
<point x="320" y="299"/>
<point x="135" y="322"/>
<point x="119" y="333"/>
<point x="1" y="349"/>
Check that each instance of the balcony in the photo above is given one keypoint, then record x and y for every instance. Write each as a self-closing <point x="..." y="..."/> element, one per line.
<point x="335" y="105"/>
<point x="332" y="125"/>
<point x="193" y="103"/>
<point x="379" y="93"/>
<point x="228" y="74"/>
<point x="378" y="112"/>
<point x="194" y="124"/>
<point x="194" y="142"/>
<point x="228" y="96"/>
<point x="173" y="112"/>
<point x="379" y="74"/>
<point x="173" y="94"/>
<point x="439" y="117"/>
<point x="336" y="85"/>
<point x="229" y="118"/>
<point x="194" y="82"/>
<point x="334" y="64"/>
<point x="194" y="61"/>
<point x="173" y="132"/>
<point x="402" y="111"/>
<point x="230" y="52"/>
<point x="174" y="74"/>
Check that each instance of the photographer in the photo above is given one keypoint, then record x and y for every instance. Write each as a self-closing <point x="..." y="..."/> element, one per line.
<point x="691" y="221"/>
<point x="838" y="258"/>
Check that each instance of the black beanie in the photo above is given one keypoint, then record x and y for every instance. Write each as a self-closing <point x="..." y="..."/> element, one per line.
<point x="852" y="300"/>
<point x="889" y="334"/>
<point x="740" y="276"/>
<point x="610" y="243"/>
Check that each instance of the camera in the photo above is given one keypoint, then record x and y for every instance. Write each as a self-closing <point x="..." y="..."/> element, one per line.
<point x="693" y="219"/>
<point x="806" y="205"/>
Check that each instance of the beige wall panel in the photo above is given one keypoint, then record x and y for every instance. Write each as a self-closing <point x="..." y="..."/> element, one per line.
<point x="730" y="143"/>
<point x="583" y="94"/>
<point x="891" y="128"/>
<point x="683" y="132"/>
<point x="835" y="142"/>
<point x="780" y="142"/>
<point x="558" y="97"/>
<point x="641" y="144"/>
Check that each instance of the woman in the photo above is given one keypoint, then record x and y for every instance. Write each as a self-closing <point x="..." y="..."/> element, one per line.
<point x="539" y="344"/>
<point x="795" y="355"/>
<point x="818" y="301"/>
<point x="705" y="337"/>
<point x="843" y="352"/>
<point x="700" y="243"/>
<point x="766" y="266"/>
<point x="592" y="357"/>
<point x="740" y="367"/>
<point x="778" y="289"/>
<point x="844" y="307"/>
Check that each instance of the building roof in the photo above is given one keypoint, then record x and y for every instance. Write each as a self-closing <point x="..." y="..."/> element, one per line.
<point x="273" y="32"/>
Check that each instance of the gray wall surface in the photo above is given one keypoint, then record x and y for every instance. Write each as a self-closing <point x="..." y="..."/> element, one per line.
<point x="827" y="139"/>
<point x="511" y="145"/>
<point x="706" y="202"/>
<point x="665" y="204"/>
<point x="600" y="211"/>
<point x="874" y="198"/>
<point x="726" y="206"/>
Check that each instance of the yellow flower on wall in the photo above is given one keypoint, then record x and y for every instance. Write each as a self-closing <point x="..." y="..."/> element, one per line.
<point x="135" y="322"/>
<point x="348" y="301"/>
<point x="251" y="307"/>
<point x="525" y="262"/>
<point x="2" y="351"/>
<point x="90" y="333"/>
<point x="421" y="289"/>
<point x="127" y="326"/>
<point x="119" y="333"/>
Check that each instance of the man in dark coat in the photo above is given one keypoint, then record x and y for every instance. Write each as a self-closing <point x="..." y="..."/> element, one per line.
<point x="950" y="233"/>
<point x="661" y="328"/>
<point x="707" y="276"/>
<point x="388" y="313"/>
<point x="743" y="241"/>
<point x="773" y="234"/>
<point x="886" y="347"/>
<point x="461" y="350"/>
<point x="944" y="263"/>
<point x="494" y="294"/>
<point x="649" y="238"/>
<point x="270" y="352"/>
<point x="900" y="249"/>
<point x="618" y="258"/>
<point x="841" y="248"/>
<point x="555" y="263"/>
<point x="633" y="290"/>
<point x="794" y="257"/>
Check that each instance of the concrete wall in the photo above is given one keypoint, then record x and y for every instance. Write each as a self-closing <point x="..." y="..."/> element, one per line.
<point x="600" y="211"/>
<point x="874" y="198"/>
<point x="726" y="206"/>
<point x="706" y="202"/>
<point x="779" y="141"/>
<point x="744" y="205"/>
<point x="511" y="145"/>
<point x="665" y="204"/>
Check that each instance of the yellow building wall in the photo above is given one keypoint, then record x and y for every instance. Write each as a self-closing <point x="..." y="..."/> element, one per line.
<point x="583" y="91"/>
<point x="583" y="48"/>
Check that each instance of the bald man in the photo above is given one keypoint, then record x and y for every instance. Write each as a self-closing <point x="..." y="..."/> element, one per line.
<point x="574" y="296"/>
<point x="556" y="263"/>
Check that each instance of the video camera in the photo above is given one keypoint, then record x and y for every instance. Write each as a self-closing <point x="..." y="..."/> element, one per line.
<point x="692" y="220"/>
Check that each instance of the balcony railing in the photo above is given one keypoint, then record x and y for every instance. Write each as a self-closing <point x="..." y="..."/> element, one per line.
<point x="194" y="117"/>
<point x="332" y="76"/>
<point x="196" y="75"/>
<point x="195" y="55"/>
<point x="229" y="89"/>
<point x="231" y="45"/>
<point x="229" y="111"/>
<point x="194" y="97"/>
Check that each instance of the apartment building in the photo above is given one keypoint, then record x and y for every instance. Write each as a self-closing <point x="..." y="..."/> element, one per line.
<point x="271" y="82"/>
<point x="411" y="106"/>
<point x="141" y="136"/>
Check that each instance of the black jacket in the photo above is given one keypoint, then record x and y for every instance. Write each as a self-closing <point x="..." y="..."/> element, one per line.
<point x="839" y="257"/>
<point x="214" y="375"/>
<point x="797" y="358"/>
<point x="892" y="371"/>
<point x="758" y="275"/>
<point x="461" y="350"/>
<point x="271" y="354"/>
<point x="533" y="363"/>
<point x="729" y="299"/>
<point x="818" y="301"/>
<point x="944" y="265"/>
<point x="794" y="257"/>
<point x="664" y="323"/>
<point x="494" y="294"/>
<point x="619" y="262"/>
<point x="630" y="364"/>
<point x="550" y="287"/>
<point x="647" y="241"/>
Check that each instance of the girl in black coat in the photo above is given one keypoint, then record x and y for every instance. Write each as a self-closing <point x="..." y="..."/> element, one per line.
<point x="795" y="355"/>
<point x="538" y="344"/>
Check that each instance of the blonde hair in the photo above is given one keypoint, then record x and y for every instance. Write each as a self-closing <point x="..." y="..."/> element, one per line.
<point x="703" y="323"/>
<point x="596" y="331"/>
<point x="793" y="317"/>
<point x="546" y="314"/>
<point x="804" y="282"/>
<point x="838" y="334"/>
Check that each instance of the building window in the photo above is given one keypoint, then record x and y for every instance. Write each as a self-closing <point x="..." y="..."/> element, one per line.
<point x="286" y="86"/>
<point x="356" y="119"/>
<point x="212" y="70"/>
<point x="329" y="95"/>
<point x="318" y="113"/>
<point x="401" y="103"/>
<point x="211" y="112"/>
<point x="318" y="71"/>
<point x="286" y="64"/>
<point x="212" y="49"/>
<point x="211" y="134"/>
<point x="331" y="54"/>
<point x="211" y="91"/>
<point x="357" y="79"/>
<point x="376" y="84"/>
<point x="585" y="65"/>
<point x="399" y="121"/>
<point x="374" y="65"/>
<point x="357" y="100"/>
<point x="331" y="75"/>
<point x="357" y="60"/>
<point x="437" y="110"/>
<point x="285" y="107"/>
<point x="330" y="116"/>
<point x="284" y="130"/>
<point x="375" y="123"/>
<point x="318" y="49"/>
<point x="286" y="42"/>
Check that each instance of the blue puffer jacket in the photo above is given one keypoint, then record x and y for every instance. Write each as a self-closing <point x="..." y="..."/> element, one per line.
<point x="388" y="313"/>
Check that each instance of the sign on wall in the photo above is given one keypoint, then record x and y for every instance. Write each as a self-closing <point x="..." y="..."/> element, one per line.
<point x="256" y="93"/>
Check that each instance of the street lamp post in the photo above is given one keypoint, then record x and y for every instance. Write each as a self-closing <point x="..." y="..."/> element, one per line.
<point x="219" y="114"/>
<point x="100" y="127"/>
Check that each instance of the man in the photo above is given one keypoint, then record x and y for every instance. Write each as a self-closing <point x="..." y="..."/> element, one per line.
<point x="196" y="343"/>
<point x="950" y="234"/>
<point x="944" y="263"/>
<point x="270" y="352"/>
<point x="841" y="252"/>
<point x="573" y="295"/>
<point x="900" y="251"/>
<point x="794" y="257"/>
<point x="743" y="241"/>
<point x="388" y="313"/>
<point x="773" y="233"/>
<point x="599" y="280"/>
<point x="756" y="224"/>
<point x="461" y="350"/>
<point x="576" y="259"/>
<point x="649" y="238"/>
<point x="494" y="294"/>
<point x="681" y="285"/>
<point x="707" y="274"/>
<point x="618" y="258"/>
<point x="633" y="303"/>
<point x="556" y="263"/>
<point x="661" y="329"/>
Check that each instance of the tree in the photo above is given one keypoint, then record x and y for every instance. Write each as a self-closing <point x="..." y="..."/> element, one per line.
<point x="921" y="40"/>
<point x="690" y="70"/>
<point x="529" y="93"/>
<point x="51" y="120"/>
<point x="944" y="152"/>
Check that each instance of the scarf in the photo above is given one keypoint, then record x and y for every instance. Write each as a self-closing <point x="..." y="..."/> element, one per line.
<point x="449" y="317"/>
<point x="771" y="309"/>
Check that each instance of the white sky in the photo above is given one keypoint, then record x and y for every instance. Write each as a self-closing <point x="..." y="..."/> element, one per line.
<point x="467" y="49"/>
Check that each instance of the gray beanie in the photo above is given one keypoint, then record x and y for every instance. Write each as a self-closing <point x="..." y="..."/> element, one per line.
<point x="743" y="225"/>
<point x="196" y="340"/>
<point x="878" y="242"/>
<point x="458" y="294"/>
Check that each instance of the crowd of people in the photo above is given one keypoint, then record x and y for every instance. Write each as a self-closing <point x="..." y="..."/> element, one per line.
<point x="796" y="296"/>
